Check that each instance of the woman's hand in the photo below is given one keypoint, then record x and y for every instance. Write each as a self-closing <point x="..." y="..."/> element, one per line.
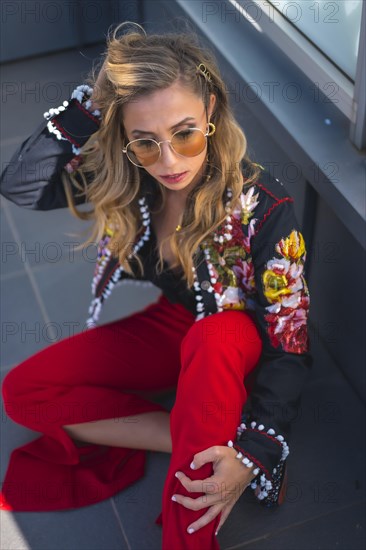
<point x="222" y="489"/>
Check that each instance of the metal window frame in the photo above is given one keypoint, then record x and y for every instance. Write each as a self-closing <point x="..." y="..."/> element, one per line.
<point x="349" y="96"/>
<point x="358" y="127"/>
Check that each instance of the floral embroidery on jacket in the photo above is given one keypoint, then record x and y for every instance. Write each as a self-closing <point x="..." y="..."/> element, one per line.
<point x="103" y="255"/>
<point x="231" y="260"/>
<point x="248" y="202"/>
<point x="233" y="274"/>
<point x="285" y="288"/>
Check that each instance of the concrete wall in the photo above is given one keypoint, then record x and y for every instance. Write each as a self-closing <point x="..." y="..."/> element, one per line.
<point x="38" y="27"/>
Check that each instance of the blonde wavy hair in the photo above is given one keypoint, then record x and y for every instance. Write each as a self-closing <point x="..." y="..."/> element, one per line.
<point x="137" y="64"/>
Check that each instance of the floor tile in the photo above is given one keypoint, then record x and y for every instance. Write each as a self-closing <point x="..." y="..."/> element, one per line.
<point x="140" y="504"/>
<point x="11" y="536"/>
<point x="49" y="237"/>
<point x="10" y="257"/>
<point x="34" y="86"/>
<point x="12" y="435"/>
<point x="322" y="474"/>
<point x="66" y="290"/>
<point x="343" y="530"/>
<point x="22" y="321"/>
<point x="88" y="528"/>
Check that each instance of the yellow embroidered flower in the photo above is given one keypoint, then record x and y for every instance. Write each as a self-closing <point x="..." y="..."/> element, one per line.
<point x="109" y="231"/>
<point x="275" y="285"/>
<point x="292" y="246"/>
<point x="240" y="306"/>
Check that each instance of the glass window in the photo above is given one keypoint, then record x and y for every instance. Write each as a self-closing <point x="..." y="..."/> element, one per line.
<point x="333" y="26"/>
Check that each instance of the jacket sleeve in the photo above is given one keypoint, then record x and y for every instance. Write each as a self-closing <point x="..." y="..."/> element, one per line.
<point x="32" y="178"/>
<point x="281" y="308"/>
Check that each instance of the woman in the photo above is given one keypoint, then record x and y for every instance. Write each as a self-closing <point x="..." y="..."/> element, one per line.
<point x="155" y="149"/>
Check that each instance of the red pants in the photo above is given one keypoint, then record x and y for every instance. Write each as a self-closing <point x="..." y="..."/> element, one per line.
<point x="88" y="376"/>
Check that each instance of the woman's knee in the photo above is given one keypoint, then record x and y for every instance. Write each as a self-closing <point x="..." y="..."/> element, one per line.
<point x="229" y="333"/>
<point x="229" y="327"/>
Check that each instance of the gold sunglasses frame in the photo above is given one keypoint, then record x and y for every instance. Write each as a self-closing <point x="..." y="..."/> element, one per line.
<point x="205" y="135"/>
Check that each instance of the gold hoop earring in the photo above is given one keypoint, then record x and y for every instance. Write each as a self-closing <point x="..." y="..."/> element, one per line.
<point x="212" y="129"/>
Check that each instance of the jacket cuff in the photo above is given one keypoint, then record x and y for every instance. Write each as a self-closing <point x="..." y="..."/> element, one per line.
<point x="73" y="123"/>
<point x="267" y="452"/>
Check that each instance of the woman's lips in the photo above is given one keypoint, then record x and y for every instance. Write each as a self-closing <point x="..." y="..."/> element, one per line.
<point x="174" y="178"/>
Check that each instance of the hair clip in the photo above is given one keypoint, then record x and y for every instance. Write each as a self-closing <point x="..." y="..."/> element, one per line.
<point x="203" y="70"/>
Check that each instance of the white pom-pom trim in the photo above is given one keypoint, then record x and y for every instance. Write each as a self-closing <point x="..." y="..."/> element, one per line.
<point x="264" y="486"/>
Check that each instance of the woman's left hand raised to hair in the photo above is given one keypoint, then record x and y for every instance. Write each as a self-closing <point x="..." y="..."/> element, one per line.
<point x="221" y="490"/>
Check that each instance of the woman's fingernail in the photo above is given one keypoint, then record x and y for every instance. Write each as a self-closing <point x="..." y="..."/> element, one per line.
<point x="216" y="533"/>
<point x="192" y="466"/>
<point x="177" y="474"/>
<point x="190" y="530"/>
<point x="174" y="498"/>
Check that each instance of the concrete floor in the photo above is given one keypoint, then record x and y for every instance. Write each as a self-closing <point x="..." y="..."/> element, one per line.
<point x="45" y="291"/>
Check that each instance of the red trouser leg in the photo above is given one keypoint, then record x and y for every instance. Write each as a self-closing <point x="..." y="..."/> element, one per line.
<point x="216" y="354"/>
<point x="80" y="379"/>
